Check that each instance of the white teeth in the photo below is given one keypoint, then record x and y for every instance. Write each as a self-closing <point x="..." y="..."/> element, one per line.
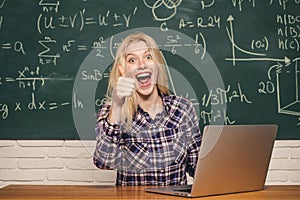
<point x="143" y="75"/>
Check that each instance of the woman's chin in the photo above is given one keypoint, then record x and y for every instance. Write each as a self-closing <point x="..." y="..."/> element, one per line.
<point x="145" y="90"/>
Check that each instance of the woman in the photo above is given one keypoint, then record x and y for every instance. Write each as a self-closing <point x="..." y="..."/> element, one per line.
<point x="148" y="135"/>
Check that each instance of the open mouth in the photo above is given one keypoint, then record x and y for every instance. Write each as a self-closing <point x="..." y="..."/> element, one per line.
<point x="144" y="78"/>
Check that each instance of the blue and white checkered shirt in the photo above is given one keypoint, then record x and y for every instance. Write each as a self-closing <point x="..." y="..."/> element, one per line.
<point x="155" y="151"/>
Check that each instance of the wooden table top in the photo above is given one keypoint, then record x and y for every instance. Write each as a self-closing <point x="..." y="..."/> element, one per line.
<point x="282" y="192"/>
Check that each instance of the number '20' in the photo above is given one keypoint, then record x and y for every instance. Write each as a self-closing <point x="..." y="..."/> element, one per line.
<point x="266" y="87"/>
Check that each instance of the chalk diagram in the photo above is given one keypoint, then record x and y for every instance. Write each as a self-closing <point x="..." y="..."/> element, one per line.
<point x="163" y="10"/>
<point x="286" y="70"/>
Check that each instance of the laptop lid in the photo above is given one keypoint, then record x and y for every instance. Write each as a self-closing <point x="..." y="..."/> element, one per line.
<point x="232" y="158"/>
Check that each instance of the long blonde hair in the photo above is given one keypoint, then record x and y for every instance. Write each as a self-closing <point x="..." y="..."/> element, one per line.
<point x="131" y="103"/>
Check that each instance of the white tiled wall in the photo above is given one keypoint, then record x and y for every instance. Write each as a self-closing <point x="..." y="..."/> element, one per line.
<point x="70" y="162"/>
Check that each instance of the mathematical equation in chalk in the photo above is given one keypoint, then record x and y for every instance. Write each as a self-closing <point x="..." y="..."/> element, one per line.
<point x="233" y="94"/>
<point x="254" y="45"/>
<point x="52" y="50"/>
<point x="31" y="105"/>
<point x="30" y="77"/>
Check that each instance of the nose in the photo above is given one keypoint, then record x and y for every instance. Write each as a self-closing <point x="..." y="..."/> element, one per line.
<point x="142" y="64"/>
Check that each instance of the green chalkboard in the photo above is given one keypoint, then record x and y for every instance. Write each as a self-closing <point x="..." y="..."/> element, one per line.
<point x="237" y="61"/>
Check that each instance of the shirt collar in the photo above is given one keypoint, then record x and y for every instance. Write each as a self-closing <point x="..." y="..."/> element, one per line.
<point x="166" y="103"/>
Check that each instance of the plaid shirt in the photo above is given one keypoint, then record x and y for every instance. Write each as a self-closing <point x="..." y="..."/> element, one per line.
<point x="155" y="151"/>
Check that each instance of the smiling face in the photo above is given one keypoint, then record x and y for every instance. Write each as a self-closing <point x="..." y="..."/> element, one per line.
<point x="140" y="65"/>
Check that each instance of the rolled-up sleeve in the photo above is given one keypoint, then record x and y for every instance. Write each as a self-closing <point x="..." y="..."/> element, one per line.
<point x="194" y="141"/>
<point x="108" y="136"/>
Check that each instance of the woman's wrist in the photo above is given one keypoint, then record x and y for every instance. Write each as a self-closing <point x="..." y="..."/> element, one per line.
<point x="115" y="112"/>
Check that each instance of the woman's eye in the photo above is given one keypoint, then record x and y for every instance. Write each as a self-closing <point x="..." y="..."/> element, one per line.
<point x="131" y="60"/>
<point x="149" y="57"/>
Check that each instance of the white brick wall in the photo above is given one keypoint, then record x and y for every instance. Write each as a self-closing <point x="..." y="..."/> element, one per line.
<point x="70" y="162"/>
<point x="50" y="162"/>
<point x="285" y="164"/>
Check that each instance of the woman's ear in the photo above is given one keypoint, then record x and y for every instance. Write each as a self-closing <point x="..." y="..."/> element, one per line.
<point x="121" y="69"/>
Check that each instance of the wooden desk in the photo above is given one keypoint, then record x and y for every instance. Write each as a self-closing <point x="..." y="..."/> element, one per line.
<point x="131" y="192"/>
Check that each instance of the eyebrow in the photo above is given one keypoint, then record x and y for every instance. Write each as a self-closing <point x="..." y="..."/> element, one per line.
<point x="147" y="51"/>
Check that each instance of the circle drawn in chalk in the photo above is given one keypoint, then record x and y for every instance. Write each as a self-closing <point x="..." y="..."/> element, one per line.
<point x="84" y="92"/>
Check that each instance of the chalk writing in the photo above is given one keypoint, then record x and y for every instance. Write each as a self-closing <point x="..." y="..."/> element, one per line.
<point x="221" y="96"/>
<point x="4" y="111"/>
<point x="255" y="46"/>
<point x="163" y="10"/>
<point x="1" y="21"/>
<point x="209" y="117"/>
<point x="81" y="19"/>
<point x="46" y="56"/>
<point x="200" y="22"/>
<point x="16" y="46"/>
<point x="49" y="6"/>
<point x="290" y="71"/>
<point x="289" y="32"/>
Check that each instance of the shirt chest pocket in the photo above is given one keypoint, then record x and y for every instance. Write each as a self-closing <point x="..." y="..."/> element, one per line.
<point x="135" y="155"/>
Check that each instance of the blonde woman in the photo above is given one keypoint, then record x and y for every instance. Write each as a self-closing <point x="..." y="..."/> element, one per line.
<point x="148" y="135"/>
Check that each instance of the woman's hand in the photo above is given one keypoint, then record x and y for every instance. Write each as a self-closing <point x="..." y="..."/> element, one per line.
<point x="125" y="87"/>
